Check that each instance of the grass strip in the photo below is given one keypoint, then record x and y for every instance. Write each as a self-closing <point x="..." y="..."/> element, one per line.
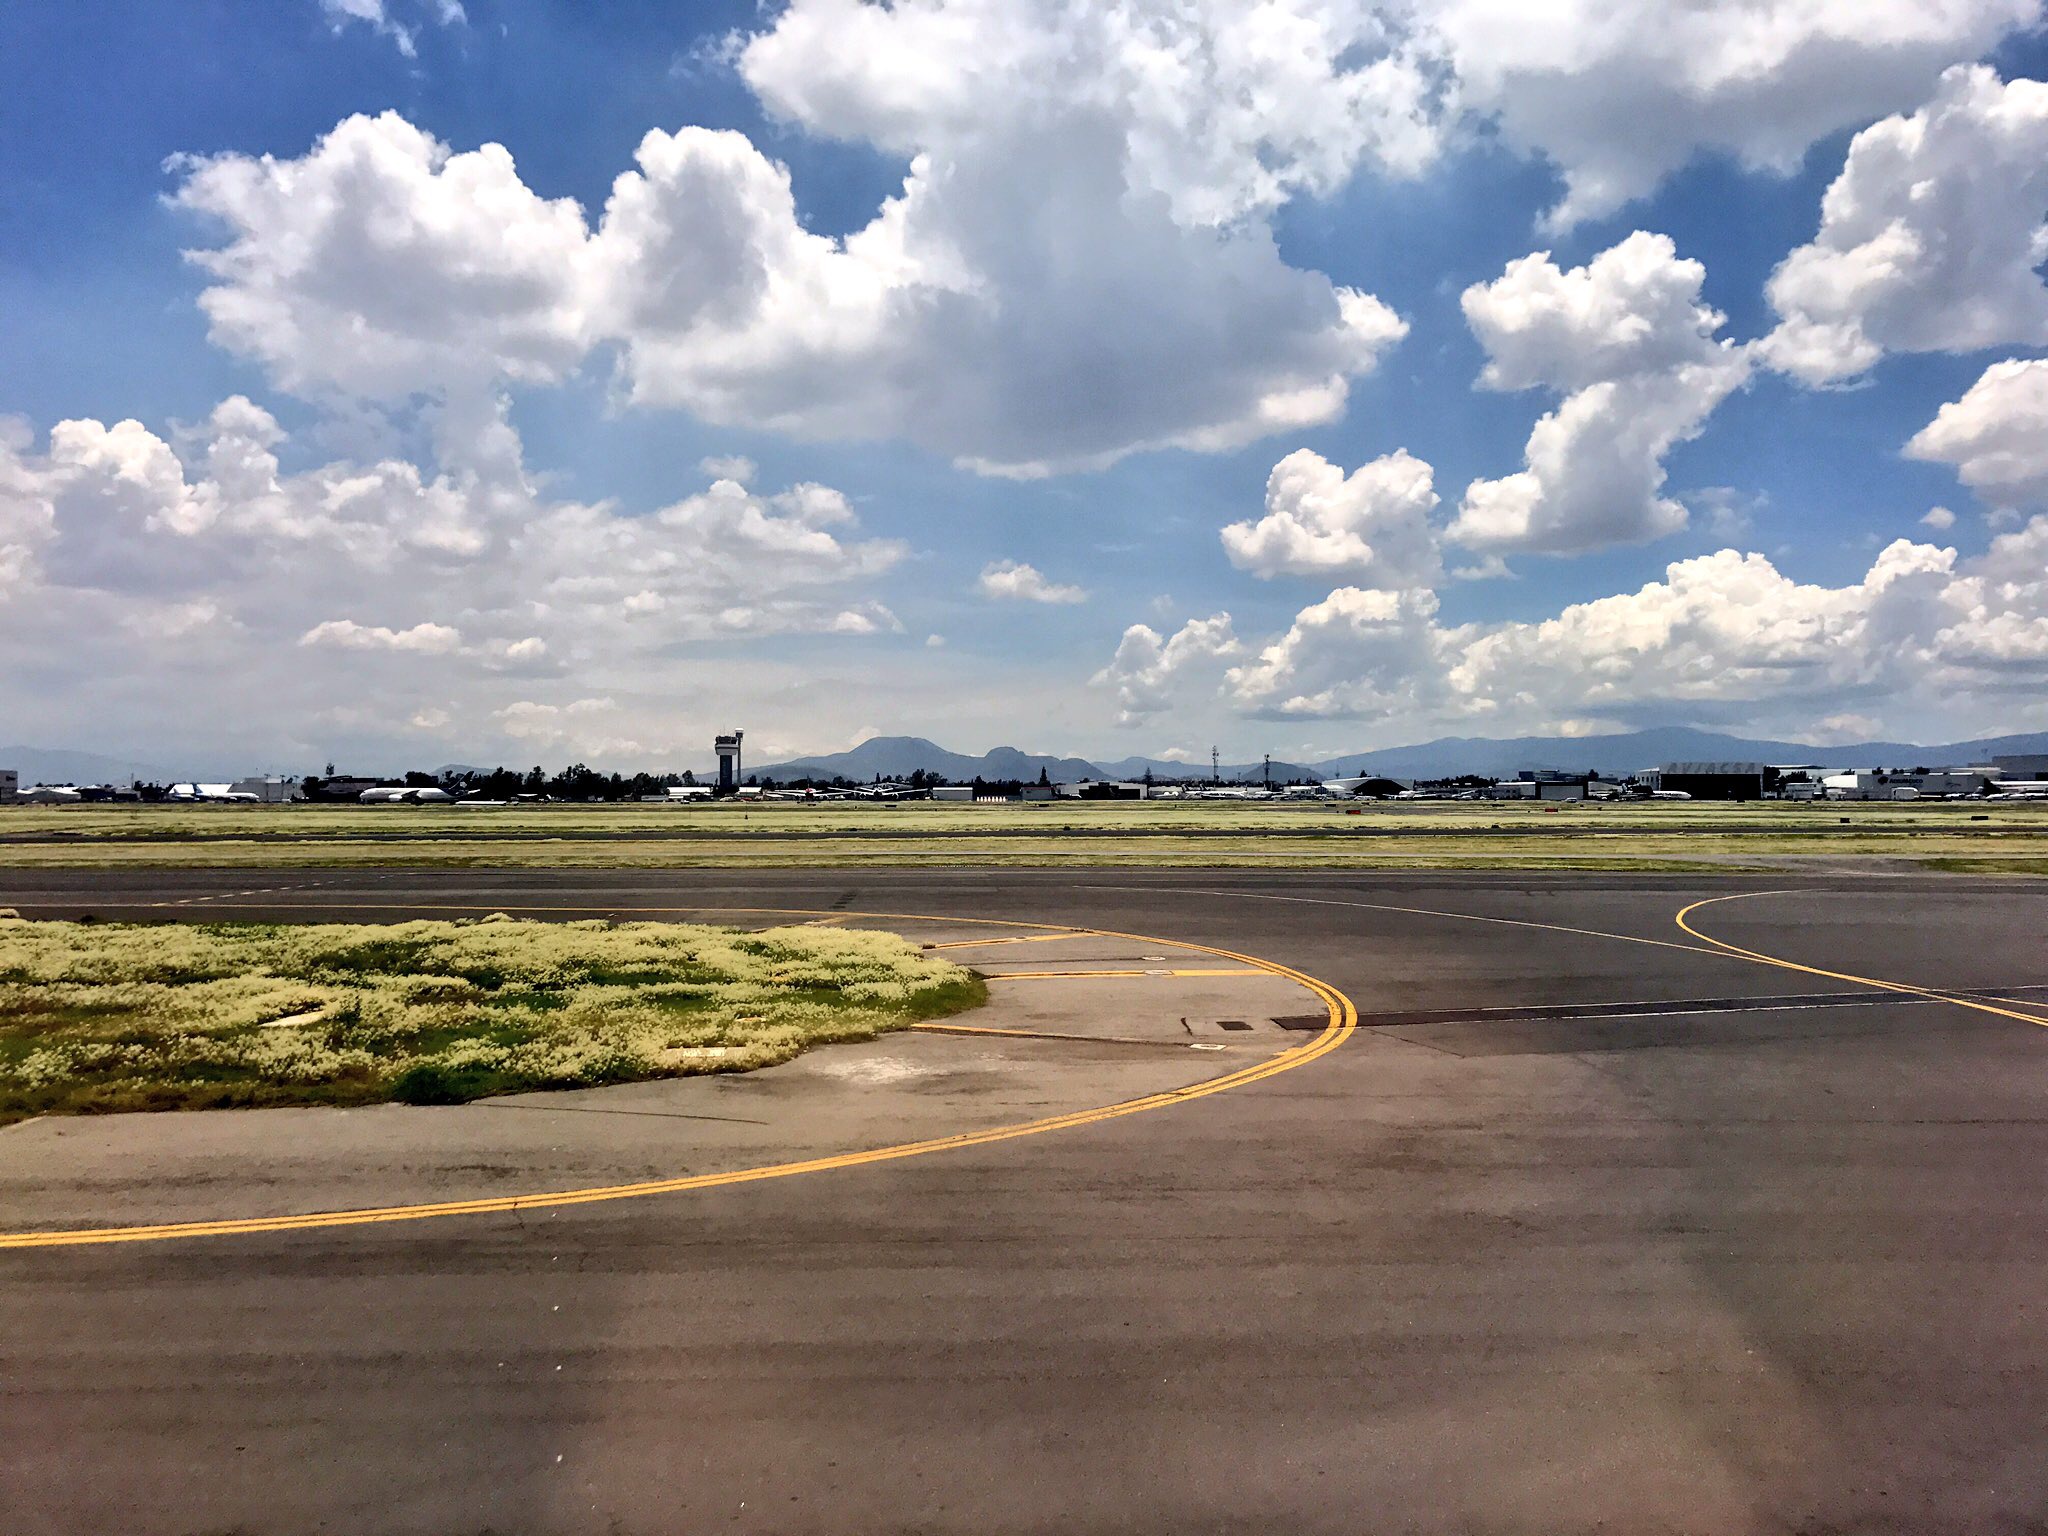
<point x="101" y="1017"/>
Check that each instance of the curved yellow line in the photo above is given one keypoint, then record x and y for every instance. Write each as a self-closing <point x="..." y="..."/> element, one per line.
<point x="1343" y="1020"/>
<point x="1931" y="994"/>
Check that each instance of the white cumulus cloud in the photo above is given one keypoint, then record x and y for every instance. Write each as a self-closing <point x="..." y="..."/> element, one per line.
<point x="1628" y="341"/>
<point x="1996" y="435"/>
<point x="279" y="587"/>
<point x="1151" y="672"/>
<point x="425" y="638"/>
<point x="1371" y="525"/>
<point x="1619" y="93"/>
<point x="1356" y="653"/>
<point x="1929" y="240"/>
<point x="1719" y="637"/>
<point x="1014" y="580"/>
<point x="1077" y="268"/>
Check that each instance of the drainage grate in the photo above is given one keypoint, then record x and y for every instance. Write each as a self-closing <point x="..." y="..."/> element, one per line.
<point x="1311" y="1022"/>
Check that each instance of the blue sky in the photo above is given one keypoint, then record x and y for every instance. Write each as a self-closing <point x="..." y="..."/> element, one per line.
<point x="1129" y="231"/>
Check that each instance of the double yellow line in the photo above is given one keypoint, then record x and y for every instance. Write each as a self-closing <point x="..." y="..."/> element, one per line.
<point x="1342" y="1021"/>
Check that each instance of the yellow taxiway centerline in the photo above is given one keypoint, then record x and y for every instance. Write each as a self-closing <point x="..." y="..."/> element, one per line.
<point x="1088" y="975"/>
<point x="1343" y="1019"/>
<point x="1931" y="994"/>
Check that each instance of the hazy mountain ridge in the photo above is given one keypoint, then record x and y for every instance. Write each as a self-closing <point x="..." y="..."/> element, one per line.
<point x="38" y="765"/>
<point x="897" y="757"/>
<point x="1615" y="755"/>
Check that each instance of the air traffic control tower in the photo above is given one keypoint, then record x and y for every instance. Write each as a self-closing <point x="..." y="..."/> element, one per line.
<point x="728" y="748"/>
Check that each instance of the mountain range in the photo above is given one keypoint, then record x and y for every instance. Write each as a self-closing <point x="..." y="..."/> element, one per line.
<point x="39" y="766"/>
<point x="897" y="757"/>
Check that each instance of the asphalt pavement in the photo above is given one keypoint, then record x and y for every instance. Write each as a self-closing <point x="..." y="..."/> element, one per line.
<point x="1592" y="1224"/>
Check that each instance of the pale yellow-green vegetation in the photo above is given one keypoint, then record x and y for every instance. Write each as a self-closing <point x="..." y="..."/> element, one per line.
<point x="97" y="1017"/>
<point x="1671" y="835"/>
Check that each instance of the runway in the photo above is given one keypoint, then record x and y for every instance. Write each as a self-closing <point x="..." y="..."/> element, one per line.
<point x="1590" y="1223"/>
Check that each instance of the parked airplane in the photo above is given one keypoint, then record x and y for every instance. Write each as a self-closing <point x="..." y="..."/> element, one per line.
<point x="210" y="793"/>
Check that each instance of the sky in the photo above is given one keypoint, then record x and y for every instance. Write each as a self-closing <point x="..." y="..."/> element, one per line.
<point x="398" y="382"/>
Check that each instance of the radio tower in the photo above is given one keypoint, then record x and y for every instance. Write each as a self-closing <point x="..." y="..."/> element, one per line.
<point x="1215" y="773"/>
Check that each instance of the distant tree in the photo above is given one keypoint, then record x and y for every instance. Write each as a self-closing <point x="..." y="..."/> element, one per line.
<point x="1044" y="779"/>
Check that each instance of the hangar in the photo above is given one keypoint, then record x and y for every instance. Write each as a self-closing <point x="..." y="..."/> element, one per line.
<point x="1714" y="781"/>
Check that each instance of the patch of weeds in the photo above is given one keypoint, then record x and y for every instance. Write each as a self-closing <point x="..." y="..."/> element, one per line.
<point x="117" y="1017"/>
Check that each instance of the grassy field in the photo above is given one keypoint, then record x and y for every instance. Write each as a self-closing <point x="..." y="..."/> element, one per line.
<point x="1696" y="836"/>
<point x="103" y="1017"/>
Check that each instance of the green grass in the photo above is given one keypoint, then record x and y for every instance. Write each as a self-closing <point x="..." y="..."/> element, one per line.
<point x="118" y="1016"/>
<point x="1501" y="835"/>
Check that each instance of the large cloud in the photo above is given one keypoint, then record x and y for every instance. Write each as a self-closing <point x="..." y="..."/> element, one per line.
<point x="1930" y="239"/>
<point x="1150" y="672"/>
<point x="1371" y="526"/>
<point x="1354" y="654"/>
<point x="206" y="570"/>
<point x="1631" y="346"/>
<point x="1078" y="264"/>
<point x="381" y="264"/>
<point x="1722" y="636"/>
<point x="1996" y="435"/>
<point x="1621" y="92"/>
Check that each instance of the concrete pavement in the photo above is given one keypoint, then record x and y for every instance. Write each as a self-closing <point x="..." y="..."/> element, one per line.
<point x="1751" y="1263"/>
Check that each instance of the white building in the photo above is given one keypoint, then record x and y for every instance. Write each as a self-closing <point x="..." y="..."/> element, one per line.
<point x="267" y="788"/>
<point x="1868" y="784"/>
<point x="1878" y="784"/>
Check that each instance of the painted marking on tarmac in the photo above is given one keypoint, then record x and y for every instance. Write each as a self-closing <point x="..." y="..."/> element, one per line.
<point x="1929" y="994"/>
<point x="1087" y="975"/>
<point x="1343" y="1020"/>
<point x="1378" y="906"/>
<point x="1708" y="945"/>
<point x="1033" y="938"/>
<point x="1046" y="1034"/>
<point x="188" y="901"/>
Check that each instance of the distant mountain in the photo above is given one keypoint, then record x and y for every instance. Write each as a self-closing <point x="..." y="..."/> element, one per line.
<point x="898" y="757"/>
<point x="1617" y="755"/>
<point x="39" y="766"/>
<point x="1172" y="768"/>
